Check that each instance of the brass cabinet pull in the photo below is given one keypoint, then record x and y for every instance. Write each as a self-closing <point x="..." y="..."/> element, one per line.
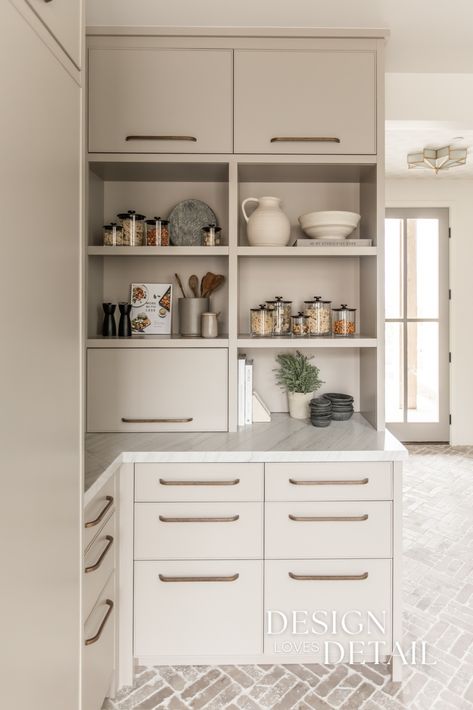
<point x="228" y="519"/>
<point x="181" y="420"/>
<point x="305" y="139"/>
<point x="329" y="518"/>
<point x="94" y="639"/>
<point x="193" y="139"/>
<point x="231" y="578"/>
<point x="328" y="577"/>
<point x="360" y="482"/>
<point x="233" y="482"/>
<point x="109" y="544"/>
<point x="103" y="512"/>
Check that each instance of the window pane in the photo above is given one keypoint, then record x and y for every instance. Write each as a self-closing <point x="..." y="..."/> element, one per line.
<point x="422" y="268"/>
<point x="394" y="372"/>
<point x="422" y="372"/>
<point x="393" y="268"/>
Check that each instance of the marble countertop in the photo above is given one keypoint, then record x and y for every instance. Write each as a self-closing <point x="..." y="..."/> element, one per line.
<point x="282" y="439"/>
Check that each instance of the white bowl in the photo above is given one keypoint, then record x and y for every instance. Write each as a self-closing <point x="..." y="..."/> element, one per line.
<point x="329" y="224"/>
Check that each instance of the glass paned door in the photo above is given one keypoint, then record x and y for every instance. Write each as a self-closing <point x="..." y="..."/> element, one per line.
<point x="416" y="324"/>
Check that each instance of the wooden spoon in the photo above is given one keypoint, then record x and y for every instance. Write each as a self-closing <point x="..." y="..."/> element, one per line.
<point x="194" y="285"/>
<point x="210" y="283"/>
<point x="180" y="285"/>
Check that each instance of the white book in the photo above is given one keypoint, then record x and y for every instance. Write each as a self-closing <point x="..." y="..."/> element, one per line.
<point x="333" y="243"/>
<point x="249" y="392"/>
<point x="241" y="389"/>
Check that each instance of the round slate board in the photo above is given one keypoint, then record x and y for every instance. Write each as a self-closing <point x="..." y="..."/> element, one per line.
<point x="186" y="221"/>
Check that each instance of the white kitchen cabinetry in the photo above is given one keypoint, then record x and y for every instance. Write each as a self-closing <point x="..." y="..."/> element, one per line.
<point x="151" y="100"/>
<point x="63" y="20"/>
<point x="317" y="101"/>
<point x="98" y="659"/>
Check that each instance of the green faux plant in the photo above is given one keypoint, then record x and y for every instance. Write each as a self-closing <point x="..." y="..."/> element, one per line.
<point x="296" y="373"/>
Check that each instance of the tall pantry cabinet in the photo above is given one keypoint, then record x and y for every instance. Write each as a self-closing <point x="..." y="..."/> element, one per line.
<point x="40" y="504"/>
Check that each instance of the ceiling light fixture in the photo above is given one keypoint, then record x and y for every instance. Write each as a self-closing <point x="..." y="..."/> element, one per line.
<point x="438" y="159"/>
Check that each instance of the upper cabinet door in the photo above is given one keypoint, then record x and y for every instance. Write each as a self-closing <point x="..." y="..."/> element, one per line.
<point x="318" y="102"/>
<point x="63" y="20"/>
<point x="160" y="101"/>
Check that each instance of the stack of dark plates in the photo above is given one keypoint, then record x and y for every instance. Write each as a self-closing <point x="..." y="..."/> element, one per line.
<point x="342" y="406"/>
<point x="320" y="411"/>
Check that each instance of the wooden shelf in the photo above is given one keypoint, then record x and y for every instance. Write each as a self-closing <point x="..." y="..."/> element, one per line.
<point x="157" y="341"/>
<point x="307" y="251"/>
<point x="356" y="341"/>
<point x="157" y="251"/>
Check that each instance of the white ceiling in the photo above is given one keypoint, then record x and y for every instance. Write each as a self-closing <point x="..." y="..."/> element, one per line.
<point x="401" y="140"/>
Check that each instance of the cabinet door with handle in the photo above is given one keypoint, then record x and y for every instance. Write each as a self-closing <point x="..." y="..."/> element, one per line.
<point x="160" y="101"/>
<point x="310" y="101"/>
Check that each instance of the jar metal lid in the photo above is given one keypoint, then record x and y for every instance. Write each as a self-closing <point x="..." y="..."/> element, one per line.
<point x="344" y="307"/>
<point x="211" y="227"/>
<point x="261" y="307"/>
<point x="156" y="219"/>
<point x="279" y="299"/>
<point x="299" y="315"/>
<point x="131" y="214"/>
<point x="113" y="225"/>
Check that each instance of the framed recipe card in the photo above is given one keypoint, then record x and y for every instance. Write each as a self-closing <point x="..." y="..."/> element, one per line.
<point x="151" y="309"/>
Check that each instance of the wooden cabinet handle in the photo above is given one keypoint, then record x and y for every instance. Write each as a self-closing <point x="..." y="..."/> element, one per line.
<point x="228" y="519"/>
<point x="101" y="515"/>
<point x="109" y="544"/>
<point x="167" y="420"/>
<point x="360" y="482"/>
<point x="304" y="139"/>
<point x="193" y="139"/>
<point x="94" y="639"/>
<point x="231" y="578"/>
<point x="165" y="482"/>
<point x="328" y="577"/>
<point x="328" y="518"/>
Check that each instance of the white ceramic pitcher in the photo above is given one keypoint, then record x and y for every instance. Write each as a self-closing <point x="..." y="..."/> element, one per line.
<point x="268" y="226"/>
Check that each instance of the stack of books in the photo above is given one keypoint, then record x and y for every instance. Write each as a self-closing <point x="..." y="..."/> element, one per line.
<point x="333" y="243"/>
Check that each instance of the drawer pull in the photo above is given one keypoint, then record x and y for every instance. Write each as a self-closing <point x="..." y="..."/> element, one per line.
<point x="181" y="420"/>
<point x="228" y="519"/>
<point x="109" y="544"/>
<point x="193" y="139"/>
<point x="233" y="482"/>
<point x="328" y="577"/>
<point x="94" y="639"/>
<point x="103" y="512"/>
<point x="361" y="482"/>
<point x="231" y="578"/>
<point x="329" y="518"/>
<point x="305" y="139"/>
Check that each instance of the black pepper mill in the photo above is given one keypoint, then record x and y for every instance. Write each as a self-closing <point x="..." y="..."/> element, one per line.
<point x="124" y="324"/>
<point x="109" y="327"/>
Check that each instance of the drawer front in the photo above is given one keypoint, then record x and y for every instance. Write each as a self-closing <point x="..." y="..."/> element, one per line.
<point x="351" y="597"/>
<point x="63" y="20"/>
<point x="327" y="530"/>
<point x="191" y="482"/>
<point x="157" y="390"/>
<point x="157" y="93"/>
<point x="99" y="563"/>
<point x="98" y="511"/>
<point x="176" y="531"/>
<point x="98" y="656"/>
<point x="329" y="481"/>
<point x="305" y="94"/>
<point x="176" y="614"/>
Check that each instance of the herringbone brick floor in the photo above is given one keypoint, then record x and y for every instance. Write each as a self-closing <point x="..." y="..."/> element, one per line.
<point x="438" y="608"/>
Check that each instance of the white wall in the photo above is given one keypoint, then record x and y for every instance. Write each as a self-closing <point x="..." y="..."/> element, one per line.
<point x="458" y="196"/>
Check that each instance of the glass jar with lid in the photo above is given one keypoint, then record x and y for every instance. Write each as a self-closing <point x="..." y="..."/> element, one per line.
<point x="299" y="325"/>
<point x="319" y="314"/>
<point x="344" y="320"/>
<point x="112" y="235"/>
<point x="281" y="314"/>
<point x="261" y="321"/>
<point x="133" y="228"/>
<point x="211" y="235"/>
<point x="157" y="232"/>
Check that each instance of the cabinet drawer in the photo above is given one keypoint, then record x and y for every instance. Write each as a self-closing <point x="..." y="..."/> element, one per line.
<point x="305" y="94"/>
<point x="98" y="657"/>
<point x="150" y="100"/>
<point x="98" y="510"/>
<point x="63" y="20"/>
<point x="327" y="588"/>
<point x="329" y="481"/>
<point x="99" y="563"/>
<point x="198" y="482"/>
<point x="325" y="530"/>
<point x="198" y="608"/>
<point x="157" y="390"/>
<point x="198" y="531"/>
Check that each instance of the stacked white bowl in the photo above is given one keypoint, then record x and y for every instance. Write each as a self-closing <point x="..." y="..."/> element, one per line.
<point x="329" y="224"/>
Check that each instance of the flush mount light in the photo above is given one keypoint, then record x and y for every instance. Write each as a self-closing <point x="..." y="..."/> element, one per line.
<point x="438" y="159"/>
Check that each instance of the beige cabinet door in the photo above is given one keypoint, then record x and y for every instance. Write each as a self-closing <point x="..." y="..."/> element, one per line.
<point x="160" y="101"/>
<point x="173" y="389"/>
<point x="63" y="19"/>
<point x="305" y="102"/>
<point x="98" y="657"/>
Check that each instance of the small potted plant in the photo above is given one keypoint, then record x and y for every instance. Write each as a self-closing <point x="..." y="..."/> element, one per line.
<point x="300" y="378"/>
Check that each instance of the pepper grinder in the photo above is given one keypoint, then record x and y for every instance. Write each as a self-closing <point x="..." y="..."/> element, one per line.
<point x="124" y="324"/>
<point x="109" y="327"/>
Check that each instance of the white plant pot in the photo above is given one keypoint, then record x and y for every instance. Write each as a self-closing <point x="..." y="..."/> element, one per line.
<point x="299" y="404"/>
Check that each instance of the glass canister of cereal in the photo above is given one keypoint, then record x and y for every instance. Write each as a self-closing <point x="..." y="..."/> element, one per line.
<point x="112" y="235"/>
<point x="299" y="325"/>
<point x="319" y="314"/>
<point x="344" y="321"/>
<point x="261" y="321"/>
<point x="133" y="225"/>
<point x="281" y="313"/>
<point x="157" y="232"/>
